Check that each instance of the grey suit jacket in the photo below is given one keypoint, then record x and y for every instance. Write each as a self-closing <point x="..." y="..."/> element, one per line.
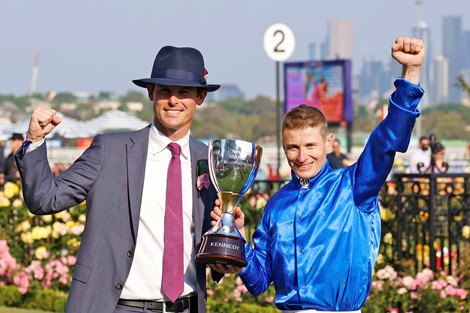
<point x="110" y="177"/>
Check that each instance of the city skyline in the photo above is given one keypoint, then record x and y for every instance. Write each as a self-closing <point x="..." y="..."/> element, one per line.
<point x="102" y="46"/>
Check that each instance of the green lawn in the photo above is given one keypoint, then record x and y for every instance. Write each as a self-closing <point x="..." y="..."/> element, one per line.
<point x="15" y="310"/>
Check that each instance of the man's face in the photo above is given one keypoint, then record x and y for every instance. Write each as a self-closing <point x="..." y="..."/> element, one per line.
<point x="424" y="144"/>
<point x="336" y="147"/>
<point x="174" y="108"/>
<point x="440" y="155"/>
<point x="306" y="150"/>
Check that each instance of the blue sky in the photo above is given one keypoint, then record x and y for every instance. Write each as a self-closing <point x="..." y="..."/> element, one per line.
<point x="102" y="45"/>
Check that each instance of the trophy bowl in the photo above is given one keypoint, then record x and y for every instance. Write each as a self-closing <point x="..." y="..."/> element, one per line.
<point x="233" y="165"/>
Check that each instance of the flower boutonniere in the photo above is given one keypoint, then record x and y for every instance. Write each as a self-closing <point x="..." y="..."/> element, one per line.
<point x="203" y="179"/>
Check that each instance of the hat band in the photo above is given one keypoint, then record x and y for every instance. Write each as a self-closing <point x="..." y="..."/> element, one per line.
<point x="178" y="75"/>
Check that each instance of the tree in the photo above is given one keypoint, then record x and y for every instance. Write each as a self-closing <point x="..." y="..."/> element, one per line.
<point x="104" y="95"/>
<point x="246" y="120"/>
<point x="463" y="85"/>
<point x="134" y="96"/>
<point x="62" y="97"/>
<point x="364" y="120"/>
<point x="447" y="121"/>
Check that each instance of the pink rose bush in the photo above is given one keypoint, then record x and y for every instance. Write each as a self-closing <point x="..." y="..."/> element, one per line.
<point x="231" y="292"/>
<point x="427" y="292"/>
<point x="8" y="265"/>
<point x="37" y="252"/>
<point x="53" y="273"/>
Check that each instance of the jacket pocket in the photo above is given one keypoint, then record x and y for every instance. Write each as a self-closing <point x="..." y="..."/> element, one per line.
<point x="81" y="273"/>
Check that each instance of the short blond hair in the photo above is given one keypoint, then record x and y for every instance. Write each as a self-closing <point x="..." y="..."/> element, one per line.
<point x="304" y="116"/>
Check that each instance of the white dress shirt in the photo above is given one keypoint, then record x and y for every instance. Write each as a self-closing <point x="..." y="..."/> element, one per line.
<point x="419" y="156"/>
<point x="145" y="277"/>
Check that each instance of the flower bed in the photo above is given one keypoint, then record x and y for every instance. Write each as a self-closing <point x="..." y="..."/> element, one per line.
<point x="37" y="256"/>
<point x="427" y="292"/>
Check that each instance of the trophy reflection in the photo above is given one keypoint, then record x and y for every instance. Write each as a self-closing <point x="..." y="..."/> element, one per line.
<point x="233" y="165"/>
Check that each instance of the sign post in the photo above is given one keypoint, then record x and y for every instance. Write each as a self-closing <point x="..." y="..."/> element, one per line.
<point x="279" y="43"/>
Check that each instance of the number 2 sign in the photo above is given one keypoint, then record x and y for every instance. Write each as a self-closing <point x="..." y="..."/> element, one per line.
<point x="279" y="42"/>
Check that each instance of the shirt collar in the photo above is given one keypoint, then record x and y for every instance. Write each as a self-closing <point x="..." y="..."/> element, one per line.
<point x="159" y="142"/>
<point x="308" y="182"/>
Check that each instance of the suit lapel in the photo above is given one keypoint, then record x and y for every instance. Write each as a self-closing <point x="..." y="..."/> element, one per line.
<point x="137" y="150"/>
<point x="198" y="205"/>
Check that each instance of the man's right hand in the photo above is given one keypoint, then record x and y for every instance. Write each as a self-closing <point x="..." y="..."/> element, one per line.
<point x="237" y="213"/>
<point x="43" y="121"/>
<point x="240" y="223"/>
<point x="410" y="53"/>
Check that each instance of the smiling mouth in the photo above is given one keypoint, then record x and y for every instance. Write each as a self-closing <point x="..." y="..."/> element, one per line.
<point x="173" y="111"/>
<point x="303" y="166"/>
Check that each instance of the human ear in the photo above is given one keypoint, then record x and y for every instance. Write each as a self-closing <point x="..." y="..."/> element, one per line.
<point x="150" y="89"/>
<point x="201" y="96"/>
<point x="329" y="141"/>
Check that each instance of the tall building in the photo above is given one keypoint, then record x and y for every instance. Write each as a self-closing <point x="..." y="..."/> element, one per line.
<point x="440" y="79"/>
<point x="341" y="40"/>
<point x="373" y="80"/>
<point x="312" y="51"/>
<point x="466" y="43"/>
<point x="422" y="31"/>
<point x="318" y="51"/>
<point x="324" y="50"/>
<point x="452" y="49"/>
<point x="394" y="70"/>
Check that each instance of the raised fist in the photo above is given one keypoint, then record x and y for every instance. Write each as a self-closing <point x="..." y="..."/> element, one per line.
<point x="43" y="121"/>
<point x="408" y="51"/>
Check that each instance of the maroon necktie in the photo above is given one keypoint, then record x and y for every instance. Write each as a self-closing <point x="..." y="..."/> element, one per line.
<point x="173" y="276"/>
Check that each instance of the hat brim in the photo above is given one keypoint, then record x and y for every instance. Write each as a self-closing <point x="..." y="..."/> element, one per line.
<point x="173" y="82"/>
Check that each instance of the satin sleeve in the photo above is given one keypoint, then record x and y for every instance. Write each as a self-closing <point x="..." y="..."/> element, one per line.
<point x="392" y="135"/>
<point x="256" y="276"/>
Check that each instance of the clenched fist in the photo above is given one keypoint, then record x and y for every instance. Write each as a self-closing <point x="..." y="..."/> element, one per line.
<point x="409" y="52"/>
<point x="43" y="121"/>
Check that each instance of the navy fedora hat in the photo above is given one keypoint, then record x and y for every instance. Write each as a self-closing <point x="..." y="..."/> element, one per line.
<point x="175" y="66"/>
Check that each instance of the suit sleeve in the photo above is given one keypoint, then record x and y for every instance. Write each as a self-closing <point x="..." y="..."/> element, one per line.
<point x="45" y="194"/>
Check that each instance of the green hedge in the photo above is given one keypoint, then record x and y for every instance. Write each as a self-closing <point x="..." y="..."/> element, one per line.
<point x="45" y="299"/>
<point x="9" y="296"/>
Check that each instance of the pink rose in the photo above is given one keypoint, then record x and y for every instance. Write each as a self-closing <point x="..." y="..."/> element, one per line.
<point x="203" y="181"/>
<point x="71" y="259"/>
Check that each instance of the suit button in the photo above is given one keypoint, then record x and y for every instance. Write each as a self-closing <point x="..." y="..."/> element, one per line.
<point x="130" y="253"/>
<point x="118" y="286"/>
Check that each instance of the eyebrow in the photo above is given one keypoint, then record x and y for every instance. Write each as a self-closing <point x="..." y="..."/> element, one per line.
<point x="307" y="144"/>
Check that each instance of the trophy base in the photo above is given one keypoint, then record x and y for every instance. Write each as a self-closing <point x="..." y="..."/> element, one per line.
<point x="222" y="249"/>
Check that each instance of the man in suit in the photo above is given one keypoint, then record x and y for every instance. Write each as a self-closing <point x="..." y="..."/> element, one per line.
<point x="10" y="169"/>
<point x="2" y="155"/>
<point x="123" y="261"/>
<point x="335" y="158"/>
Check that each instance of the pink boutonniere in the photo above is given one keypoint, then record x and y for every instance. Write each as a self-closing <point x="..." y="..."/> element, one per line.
<point x="203" y="181"/>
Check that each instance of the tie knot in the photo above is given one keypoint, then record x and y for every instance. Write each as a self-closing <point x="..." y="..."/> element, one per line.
<point x="174" y="148"/>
